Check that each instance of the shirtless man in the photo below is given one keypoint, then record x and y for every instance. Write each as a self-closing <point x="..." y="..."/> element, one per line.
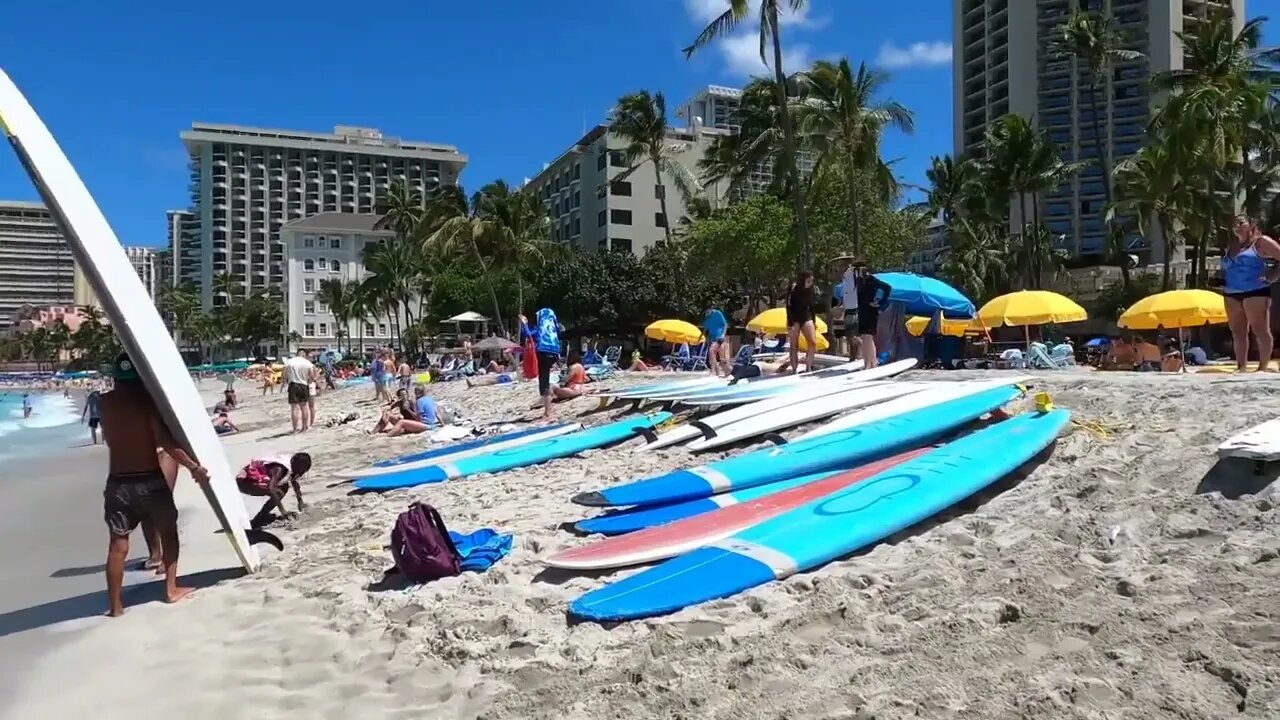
<point x="137" y="489"/>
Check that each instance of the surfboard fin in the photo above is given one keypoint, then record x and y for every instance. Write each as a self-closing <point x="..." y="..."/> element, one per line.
<point x="590" y="499"/>
<point x="258" y="536"/>
<point x="774" y="438"/>
<point x="707" y="431"/>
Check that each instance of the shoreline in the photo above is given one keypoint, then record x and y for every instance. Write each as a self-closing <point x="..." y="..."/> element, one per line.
<point x="1080" y="589"/>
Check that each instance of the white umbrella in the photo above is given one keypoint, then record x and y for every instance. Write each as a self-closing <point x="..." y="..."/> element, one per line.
<point x="468" y="316"/>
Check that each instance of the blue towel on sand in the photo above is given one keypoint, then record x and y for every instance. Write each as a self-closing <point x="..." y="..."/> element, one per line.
<point x="481" y="549"/>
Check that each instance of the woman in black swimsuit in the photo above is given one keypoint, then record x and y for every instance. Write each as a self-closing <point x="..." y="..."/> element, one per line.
<point x="800" y="319"/>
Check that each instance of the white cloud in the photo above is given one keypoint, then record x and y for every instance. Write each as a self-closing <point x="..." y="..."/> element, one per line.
<point x="919" y="54"/>
<point x="742" y="55"/>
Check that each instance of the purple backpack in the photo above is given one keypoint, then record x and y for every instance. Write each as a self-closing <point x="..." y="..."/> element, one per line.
<point x="421" y="546"/>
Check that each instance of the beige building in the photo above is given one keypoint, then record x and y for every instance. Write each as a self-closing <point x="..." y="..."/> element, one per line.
<point x="246" y="183"/>
<point x="143" y="260"/>
<point x="590" y="208"/>
<point x="324" y="247"/>
<point x="184" y="247"/>
<point x="1001" y="65"/>
<point x="36" y="265"/>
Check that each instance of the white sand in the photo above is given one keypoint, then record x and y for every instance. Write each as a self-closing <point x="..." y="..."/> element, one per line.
<point x="1102" y="585"/>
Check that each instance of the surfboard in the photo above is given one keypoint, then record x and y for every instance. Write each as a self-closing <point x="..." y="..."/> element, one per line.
<point x="753" y="388"/>
<point x="838" y="400"/>
<point x="829" y="527"/>
<point x="681" y="536"/>
<point x="522" y="455"/>
<point x="837" y="450"/>
<point x="454" y="451"/>
<point x="641" y="392"/>
<point x="130" y="309"/>
<point x="1261" y="443"/>
<point x="941" y="392"/>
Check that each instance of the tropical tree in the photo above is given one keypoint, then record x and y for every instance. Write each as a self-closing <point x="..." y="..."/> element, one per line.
<point x="454" y="226"/>
<point x="951" y="188"/>
<point x="225" y="288"/>
<point x="731" y="159"/>
<point x="1095" y="41"/>
<point x="519" y="230"/>
<point x="770" y="34"/>
<point x="976" y="259"/>
<point x="336" y="293"/>
<point x="640" y="119"/>
<point x="1150" y="187"/>
<point x="841" y="119"/>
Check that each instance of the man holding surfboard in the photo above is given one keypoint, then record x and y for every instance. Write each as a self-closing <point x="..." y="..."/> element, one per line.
<point x="137" y="490"/>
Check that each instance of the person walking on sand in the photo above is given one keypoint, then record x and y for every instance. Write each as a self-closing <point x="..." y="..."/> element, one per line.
<point x="800" y="320"/>
<point x="137" y="490"/>
<point x="1247" y="288"/>
<point x="872" y="293"/>
<point x="92" y="409"/>
<point x="849" y="301"/>
<point x="545" y="332"/>
<point x="297" y="371"/>
<point x="714" y="325"/>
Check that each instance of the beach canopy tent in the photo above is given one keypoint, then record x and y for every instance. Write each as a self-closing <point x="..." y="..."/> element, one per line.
<point x="1175" y="309"/>
<point x="920" y="295"/>
<point x="774" y="322"/>
<point x="673" y="331"/>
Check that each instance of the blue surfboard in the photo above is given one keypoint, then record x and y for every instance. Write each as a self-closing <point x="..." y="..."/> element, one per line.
<point x="832" y="451"/>
<point x="530" y="453"/>
<point x="619" y="522"/>
<point x="456" y="447"/>
<point x="830" y="527"/>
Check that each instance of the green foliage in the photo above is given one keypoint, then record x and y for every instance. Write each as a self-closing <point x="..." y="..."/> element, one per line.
<point x="748" y="246"/>
<point x="1116" y="297"/>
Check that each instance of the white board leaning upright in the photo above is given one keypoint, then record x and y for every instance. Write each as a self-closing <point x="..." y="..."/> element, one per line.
<point x="133" y="315"/>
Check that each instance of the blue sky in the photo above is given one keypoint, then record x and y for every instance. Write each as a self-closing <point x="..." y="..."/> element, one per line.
<point x="510" y="82"/>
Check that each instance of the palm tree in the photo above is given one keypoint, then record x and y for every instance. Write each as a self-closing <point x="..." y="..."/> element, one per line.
<point x="977" y="259"/>
<point x="520" y="229"/>
<point x="1094" y="40"/>
<point x="770" y="32"/>
<point x="225" y="287"/>
<point x="640" y="119"/>
<point x="758" y="141"/>
<point x="840" y="117"/>
<point x="402" y="209"/>
<point x="336" y="293"/>
<point x="950" y="186"/>
<point x="1151" y="187"/>
<point x="452" y="225"/>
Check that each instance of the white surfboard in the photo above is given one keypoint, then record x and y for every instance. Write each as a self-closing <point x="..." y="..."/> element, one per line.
<point x="132" y="313"/>
<point x="939" y="393"/>
<point x="443" y="454"/>
<point x="839" y="399"/>
<point x="1261" y="443"/>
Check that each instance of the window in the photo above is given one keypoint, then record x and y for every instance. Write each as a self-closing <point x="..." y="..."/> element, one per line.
<point x="621" y="188"/>
<point x="368" y="329"/>
<point x="335" y="266"/>
<point x="617" y="158"/>
<point x="309" y="307"/>
<point x="577" y="226"/>
<point x="309" y="330"/>
<point x="322" y="264"/>
<point x="621" y="244"/>
<point x="308" y="241"/>
<point x="322" y="308"/>
<point x="577" y="199"/>
<point x="308" y="265"/>
<point x="308" y="285"/>
<point x="600" y="161"/>
<point x="335" y="243"/>
<point x="382" y="329"/>
<point x="324" y="329"/>
<point x="556" y="208"/>
<point x="620" y="217"/>
<point x="659" y="192"/>
<point x="600" y="219"/>
<point x="322" y="241"/>
<point x="660" y="220"/>
<point x="577" y="170"/>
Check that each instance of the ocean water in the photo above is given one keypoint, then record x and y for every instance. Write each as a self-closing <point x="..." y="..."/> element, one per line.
<point x="54" y="425"/>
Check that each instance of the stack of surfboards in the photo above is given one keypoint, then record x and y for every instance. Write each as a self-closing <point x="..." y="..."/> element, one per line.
<point x="730" y="525"/>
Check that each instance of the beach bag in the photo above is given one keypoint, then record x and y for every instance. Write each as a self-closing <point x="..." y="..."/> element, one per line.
<point x="529" y="360"/>
<point x="421" y="546"/>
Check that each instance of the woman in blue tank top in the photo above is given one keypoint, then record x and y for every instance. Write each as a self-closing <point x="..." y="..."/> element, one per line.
<point x="1247" y="281"/>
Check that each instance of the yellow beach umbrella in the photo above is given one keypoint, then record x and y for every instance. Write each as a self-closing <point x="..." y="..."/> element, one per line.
<point x="673" y="331"/>
<point x="774" y="322"/>
<point x="956" y="328"/>
<point x="1030" y="307"/>
<point x="1175" y="309"/>
<point x="823" y="343"/>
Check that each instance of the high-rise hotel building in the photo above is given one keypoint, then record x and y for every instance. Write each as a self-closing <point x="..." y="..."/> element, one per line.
<point x="1002" y="64"/>
<point x="246" y="183"/>
<point x="36" y="265"/>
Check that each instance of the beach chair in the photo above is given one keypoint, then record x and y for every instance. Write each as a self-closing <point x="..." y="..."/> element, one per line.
<point x="743" y="358"/>
<point x="1012" y="359"/>
<point x="612" y="355"/>
<point x="1040" y="359"/>
<point x="591" y="357"/>
<point x="465" y="369"/>
<point x="677" y="359"/>
<point x="1063" y="354"/>
<point x="697" y="359"/>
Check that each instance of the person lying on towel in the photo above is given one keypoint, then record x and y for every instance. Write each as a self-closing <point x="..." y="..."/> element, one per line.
<point x="271" y="477"/>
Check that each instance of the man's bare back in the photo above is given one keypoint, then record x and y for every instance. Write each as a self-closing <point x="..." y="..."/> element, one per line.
<point x="129" y="420"/>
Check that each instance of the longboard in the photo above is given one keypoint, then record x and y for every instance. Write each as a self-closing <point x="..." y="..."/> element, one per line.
<point x="677" y="538"/>
<point x="828" y="527"/>
<point x="131" y="311"/>
<point x="1261" y="443"/>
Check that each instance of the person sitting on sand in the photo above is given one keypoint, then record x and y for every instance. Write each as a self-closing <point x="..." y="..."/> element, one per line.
<point x="271" y="477"/>
<point x="222" y="424"/>
<point x="137" y="489"/>
<point x="638" y="364"/>
<point x="1120" y="355"/>
<point x="1172" y="362"/>
<point x="1149" y="355"/>
<point x="572" y="383"/>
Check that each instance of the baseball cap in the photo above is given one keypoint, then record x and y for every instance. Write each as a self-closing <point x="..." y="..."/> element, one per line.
<point x="124" y="369"/>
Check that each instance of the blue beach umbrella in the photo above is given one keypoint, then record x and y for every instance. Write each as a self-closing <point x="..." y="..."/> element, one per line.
<point x="926" y="296"/>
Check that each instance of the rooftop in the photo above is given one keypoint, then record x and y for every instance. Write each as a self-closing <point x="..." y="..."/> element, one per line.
<point x="344" y="138"/>
<point x="337" y="222"/>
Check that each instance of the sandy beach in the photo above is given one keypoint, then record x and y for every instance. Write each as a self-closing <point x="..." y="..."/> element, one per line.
<point x="1128" y="575"/>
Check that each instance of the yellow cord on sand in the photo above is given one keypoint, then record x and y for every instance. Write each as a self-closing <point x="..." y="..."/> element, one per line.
<point x="1102" y="431"/>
